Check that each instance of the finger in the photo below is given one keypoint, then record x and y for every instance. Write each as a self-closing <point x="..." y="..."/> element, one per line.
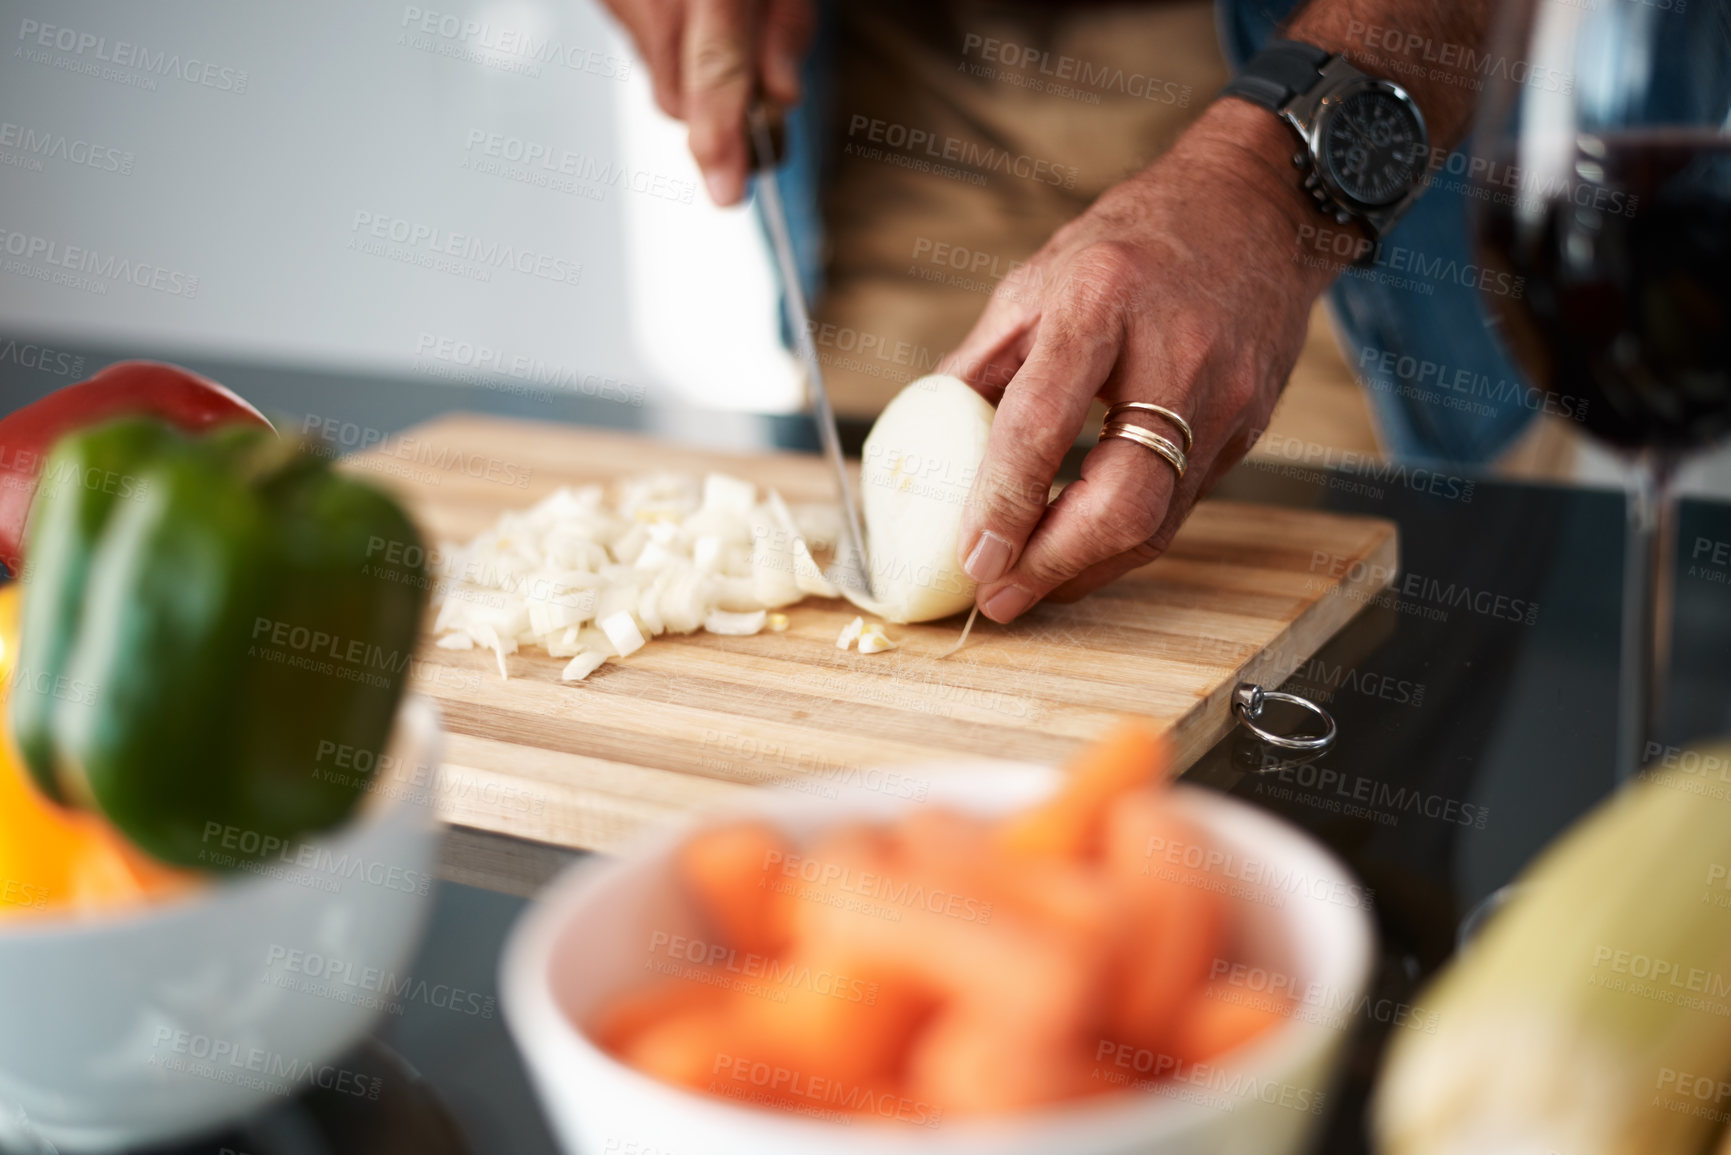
<point x="1184" y="499"/>
<point x="719" y="71"/>
<point x="787" y="30"/>
<point x="1236" y="447"/>
<point x="999" y="343"/>
<point x="666" y="78"/>
<point x="1098" y="576"/>
<point x="1104" y="520"/>
<point x="655" y="29"/>
<point x="1037" y="421"/>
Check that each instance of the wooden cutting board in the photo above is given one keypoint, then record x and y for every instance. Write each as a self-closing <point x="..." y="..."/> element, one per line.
<point x="696" y="721"/>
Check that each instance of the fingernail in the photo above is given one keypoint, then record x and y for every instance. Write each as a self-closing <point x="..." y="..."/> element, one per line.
<point x="991" y="557"/>
<point x="1008" y="602"/>
<point x="720" y="188"/>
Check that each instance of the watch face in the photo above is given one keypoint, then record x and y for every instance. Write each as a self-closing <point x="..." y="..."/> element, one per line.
<point x="1374" y="146"/>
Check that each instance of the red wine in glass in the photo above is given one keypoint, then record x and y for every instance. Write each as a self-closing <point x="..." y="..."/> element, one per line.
<point x="1626" y="286"/>
<point x="1624" y="310"/>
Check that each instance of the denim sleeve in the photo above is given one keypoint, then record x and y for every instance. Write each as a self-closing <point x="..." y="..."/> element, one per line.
<point x="1415" y="325"/>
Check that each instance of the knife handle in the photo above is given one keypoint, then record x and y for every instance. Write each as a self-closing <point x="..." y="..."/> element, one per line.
<point x="766" y="128"/>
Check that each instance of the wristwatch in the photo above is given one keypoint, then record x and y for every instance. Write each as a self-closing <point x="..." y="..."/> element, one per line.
<point x="1363" y="146"/>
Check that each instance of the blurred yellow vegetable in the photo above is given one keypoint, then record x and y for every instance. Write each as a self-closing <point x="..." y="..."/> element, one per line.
<point x="1592" y="1015"/>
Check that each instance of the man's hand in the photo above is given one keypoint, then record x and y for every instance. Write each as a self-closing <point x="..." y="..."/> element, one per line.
<point x="1183" y="286"/>
<point x="708" y="60"/>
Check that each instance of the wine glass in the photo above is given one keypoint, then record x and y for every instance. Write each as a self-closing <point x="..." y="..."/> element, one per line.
<point x="1603" y="157"/>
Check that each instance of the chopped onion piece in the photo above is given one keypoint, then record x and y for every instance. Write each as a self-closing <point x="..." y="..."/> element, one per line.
<point x="687" y="601"/>
<point x="658" y="495"/>
<point x="777" y="623"/>
<point x="565" y="645"/>
<point x="656" y="555"/>
<point x="808" y="576"/>
<point x="592" y="638"/>
<point x="721" y="492"/>
<point x="620" y="595"/>
<point x="621" y="629"/>
<point x="648" y="606"/>
<point x="738" y="594"/>
<point x="850" y="633"/>
<point x="627" y="547"/>
<point x="490" y="637"/>
<point x="582" y="666"/>
<point x="707" y="553"/>
<point x="772" y="562"/>
<point x="736" y="625"/>
<point x="456" y="642"/>
<point x="873" y="640"/>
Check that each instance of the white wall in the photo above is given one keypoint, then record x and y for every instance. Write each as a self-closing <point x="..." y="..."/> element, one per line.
<point x="252" y="138"/>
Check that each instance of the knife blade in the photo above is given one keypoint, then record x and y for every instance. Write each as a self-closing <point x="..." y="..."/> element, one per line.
<point x="851" y="567"/>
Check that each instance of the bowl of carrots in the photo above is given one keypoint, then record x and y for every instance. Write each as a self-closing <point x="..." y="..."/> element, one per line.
<point x="144" y="1004"/>
<point x="1027" y="960"/>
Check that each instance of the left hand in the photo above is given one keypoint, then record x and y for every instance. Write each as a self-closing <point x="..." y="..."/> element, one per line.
<point x="1181" y="286"/>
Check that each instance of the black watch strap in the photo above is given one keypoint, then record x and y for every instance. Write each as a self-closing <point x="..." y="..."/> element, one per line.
<point x="1278" y="73"/>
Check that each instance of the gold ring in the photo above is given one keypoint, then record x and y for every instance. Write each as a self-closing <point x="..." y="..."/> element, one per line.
<point x="1113" y="413"/>
<point x="1154" y="441"/>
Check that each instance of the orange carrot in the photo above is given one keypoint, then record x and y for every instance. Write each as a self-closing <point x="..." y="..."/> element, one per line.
<point x="1069" y="825"/>
<point x="1223" y="1019"/>
<point x="1173" y="919"/>
<point x="627" y="1015"/>
<point x="686" y="1048"/>
<point x="969" y="1063"/>
<point x="732" y="873"/>
<point x="845" y="891"/>
<point x="840" y="1021"/>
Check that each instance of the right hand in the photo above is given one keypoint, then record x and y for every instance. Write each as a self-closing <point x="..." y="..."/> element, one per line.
<point x="708" y="59"/>
<point x="1183" y="285"/>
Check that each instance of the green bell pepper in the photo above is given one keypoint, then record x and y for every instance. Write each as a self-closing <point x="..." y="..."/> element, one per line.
<point x="204" y="620"/>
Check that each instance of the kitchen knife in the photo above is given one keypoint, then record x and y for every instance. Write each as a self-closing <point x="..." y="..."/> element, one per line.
<point x="851" y="567"/>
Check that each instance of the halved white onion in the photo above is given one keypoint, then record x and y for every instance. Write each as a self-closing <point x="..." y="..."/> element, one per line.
<point x="917" y="470"/>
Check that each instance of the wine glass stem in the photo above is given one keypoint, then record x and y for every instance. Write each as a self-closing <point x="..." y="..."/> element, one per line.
<point x="1649" y="573"/>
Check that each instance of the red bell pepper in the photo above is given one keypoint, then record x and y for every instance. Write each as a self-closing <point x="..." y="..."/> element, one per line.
<point x="126" y="388"/>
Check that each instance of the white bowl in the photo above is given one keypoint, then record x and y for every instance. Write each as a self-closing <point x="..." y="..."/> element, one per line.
<point x="168" y="1021"/>
<point x="584" y="941"/>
